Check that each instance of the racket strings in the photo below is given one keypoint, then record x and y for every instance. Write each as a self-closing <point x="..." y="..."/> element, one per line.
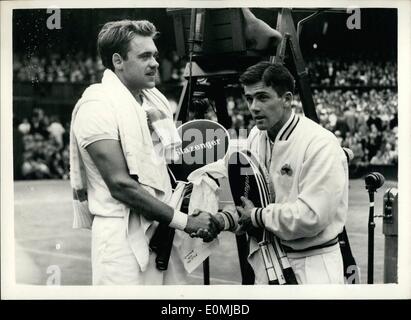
<point x="245" y="173"/>
<point x="276" y="252"/>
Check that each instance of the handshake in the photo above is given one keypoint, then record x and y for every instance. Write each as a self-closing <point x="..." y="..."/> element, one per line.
<point x="202" y="224"/>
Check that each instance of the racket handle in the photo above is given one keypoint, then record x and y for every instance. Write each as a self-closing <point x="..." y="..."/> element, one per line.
<point x="247" y="273"/>
<point x="158" y="237"/>
<point x="162" y="240"/>
<point x="277" y="264"/>
<point x="268" y="263"/>
<point x="285" y="264"/>
<point x="289" y="276"/>
<point x="163" y="254"/>
<point x="162" y="243"/>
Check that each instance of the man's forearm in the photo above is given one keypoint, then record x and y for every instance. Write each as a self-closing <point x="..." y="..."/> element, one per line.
<point x="136" y="197"/>
<point x="109" y="159"/>
<point x="289" y="221"/>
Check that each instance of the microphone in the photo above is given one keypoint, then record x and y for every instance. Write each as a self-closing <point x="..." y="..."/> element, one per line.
<point x="374" y="180"/>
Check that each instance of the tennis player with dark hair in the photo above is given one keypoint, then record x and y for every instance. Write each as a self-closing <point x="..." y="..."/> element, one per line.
<point x="120" y="182"/>
<point x="309" y="174"/>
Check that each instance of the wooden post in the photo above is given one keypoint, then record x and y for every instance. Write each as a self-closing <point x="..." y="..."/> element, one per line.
<point x="390" y="230"/>
<point x="285" y="25"/>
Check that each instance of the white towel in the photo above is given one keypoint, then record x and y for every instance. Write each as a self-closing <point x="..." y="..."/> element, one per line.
<point x="138" y="149"/>
<point x="165" y="127"/>
<point x="82" y="217"/>
<point x="205" y="196"/>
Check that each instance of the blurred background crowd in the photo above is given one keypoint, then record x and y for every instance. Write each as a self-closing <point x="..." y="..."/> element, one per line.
<point x="85" y="68"/>
<point x="366" y="121"/>
<point x="354" y="88"/>
<point x="82" y="68"/>
<point x="45" y="152"/>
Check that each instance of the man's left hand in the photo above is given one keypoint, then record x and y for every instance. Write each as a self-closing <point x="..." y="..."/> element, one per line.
<point x="245" y="213"/>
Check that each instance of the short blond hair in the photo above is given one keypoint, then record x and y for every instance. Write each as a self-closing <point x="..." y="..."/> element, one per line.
<point x="115" y="37"/>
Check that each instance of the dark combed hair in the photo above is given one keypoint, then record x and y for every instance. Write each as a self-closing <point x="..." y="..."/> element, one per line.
<point x="272" y="74"/>
<point x="115" y="37"/>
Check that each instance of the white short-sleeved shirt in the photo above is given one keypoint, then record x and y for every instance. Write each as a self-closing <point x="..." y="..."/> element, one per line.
<point x="96" y="121"/>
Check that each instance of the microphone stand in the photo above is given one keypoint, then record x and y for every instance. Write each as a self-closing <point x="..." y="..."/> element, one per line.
<point x="371" y="227"/>
<point x="373" y="181"/>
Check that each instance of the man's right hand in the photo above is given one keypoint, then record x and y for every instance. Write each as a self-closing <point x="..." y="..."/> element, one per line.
<point x="202" y="224"/>
<point x="154" y="115"/>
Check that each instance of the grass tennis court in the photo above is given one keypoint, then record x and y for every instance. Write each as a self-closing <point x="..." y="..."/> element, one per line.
<point x="45" y="241"/>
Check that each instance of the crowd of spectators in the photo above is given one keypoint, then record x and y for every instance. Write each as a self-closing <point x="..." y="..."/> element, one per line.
<point x="45" y="152"/>
<point x="57" y="68"/>
<point x="366" y="122"/>
<point x="82" y="68"/>
<point x="341" y="73"/>
<point x="363" y="119"/>
<point x="87" y="69"/>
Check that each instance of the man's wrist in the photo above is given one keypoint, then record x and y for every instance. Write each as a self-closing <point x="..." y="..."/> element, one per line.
<point x="257" y="217"/>
<point x="227" y="218"/>
<point x="179" y="220"/>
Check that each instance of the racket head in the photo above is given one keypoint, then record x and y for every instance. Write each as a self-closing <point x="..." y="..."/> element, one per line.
<point x="203" y="142"/>
<point x="243" y="179"/>
<point x="263" y="192"/>
<point x="265" y="177"/>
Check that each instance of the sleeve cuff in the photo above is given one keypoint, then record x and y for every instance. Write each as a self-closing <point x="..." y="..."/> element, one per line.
<point x="257" y="217"/>
<point x="179" y="220"/>
<point x="229" y="223"/>
<point x="89" y="140"/>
